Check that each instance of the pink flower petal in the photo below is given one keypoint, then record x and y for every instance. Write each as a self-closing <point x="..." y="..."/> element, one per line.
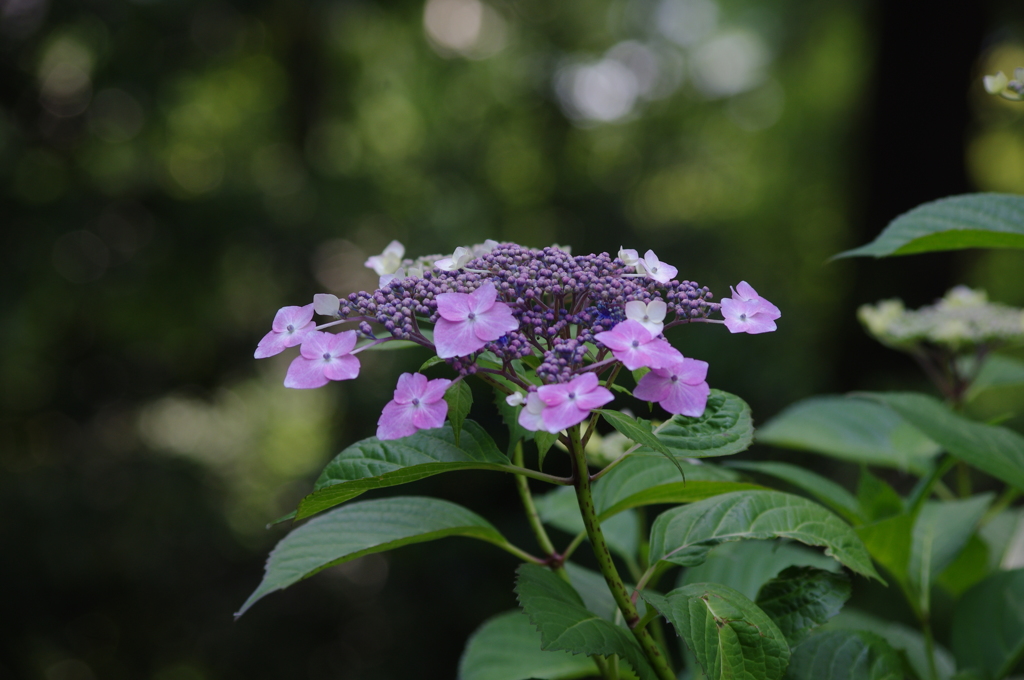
<point x="596" y="398"/>
<point x="453" y="306"/>
<point x="345" y="367"/>
<point x="687" y="400"/>
<point x="495" y="322"/>
<point x="342" y="343"/>
<point x="296" y="317"/>
<point x="654" y="386"/>
<point x="531" y="417"/>
<point x="455" y="339"/>
<point x="482" y="299"/>
<point x="271" y="344"/>
<point x="316" y="344"/>
<point x="427" y="416"/>
<point x="410" y="386"/>
<point x="305" y="374"/>
<point x="434" y="391"/>
<point x="565" y="415"/>
<point x="692" y="371"/>
<point x="396" y="421"/>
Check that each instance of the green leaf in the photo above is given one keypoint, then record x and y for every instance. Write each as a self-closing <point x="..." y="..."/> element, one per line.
<point x="1004" y="536"/>
<point x="374" y="464"/>
<point x="969" y="567"/>
<point x="640" y="432"/>
<point x="850" y="429"/>
<point x="824" y="490"/>
<point x="877" y="499"/>
<point x="844" y="655"/>
<point x="802" y="598"/>
<point x="510" y="416"/>
<point x="684" y="535"/>
<point x="564" y="623"/>
<point x="997" y="371"/>
<point x="953" y="223"/>
<point x="593" y="590"/>
<point x="675" y="493"/>
<point x="888" y="542"/>
<point x="432" y="361"/>
<point x="459" y="396"/>
<point x="901" y="638"/>
<point x="725" y="428"/>
<point x="361" y="529"/>
<point x="995" y="450"/>
<point x="747" y="565"/>
<point x="544" y="442"/>
<point x="730" y="636"/>
<point x="988" y="625"/>
<point x="940" y="531"/>
<point x="560" y="509"/>
<point x="640" y="471"/>
<point x="507" y="647"/>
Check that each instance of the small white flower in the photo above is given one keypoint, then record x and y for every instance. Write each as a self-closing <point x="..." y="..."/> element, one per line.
<point x="515" y="399"/>
<point x="655" y="268"/>
<point x="651" y="315"/>
<point x="456" y="262"/>
<point x="389" y="261"/>
<point x="326" y="304"/>
<point x="996" y="84"/>
<point x="628" y="256"/>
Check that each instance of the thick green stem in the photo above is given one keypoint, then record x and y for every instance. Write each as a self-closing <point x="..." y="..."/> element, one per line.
<point x="622" y="598"/>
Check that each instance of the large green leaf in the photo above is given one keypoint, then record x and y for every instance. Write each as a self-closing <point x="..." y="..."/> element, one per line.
<point x="900" y="637"/>
<point x="995" y="450"/>
<point x="988" y="625"/>
<point x="997" y="371"/>
<point x="730" y="636"/>
<point x="953" y="223"/>
<point x="725" y="428"/>
<point x="364" y="528"/>
<point x="507" y="647"/>
<point x="824" y="490"/>
<point x="940" y="531"/>
<point x="802" y="598"/>
<point x="684" y="535"/>
<point x="637" y="430"/>
<point x="844" y="655"/>
<point x="559" y="508"/>
<point x="747" y="565"/>
<point x="1004" y="535"/>
<point x="850" y="429"/>
<point x="460" y="400"/>
<point x="564" y="623"/>
<point x="373" y="464"/>
<point x="888" y="541"/>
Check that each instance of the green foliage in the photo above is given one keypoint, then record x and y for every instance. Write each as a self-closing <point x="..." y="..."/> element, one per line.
<point x="988" y="625"/>
<point x="639" y="430"/>
<point x="640" y="472"/>
<point x="747" y="565"/>
<point x="844" y="655"/>
<point x="725" y="428"/>
<point x="995" y="450"/>
<point x="507" y="647"/>
<point x="904" y="639"/>
<point x="877" y="499"/>
<point x="361" y="529"/>
<point x="953" y="223"/>
<point x="684" y="535"/>
<point x="374" y="464"/>
<point x="823" y="490"/>
<point x="559" y="508"/>
<point x="730" y="636"/>
<point x="850" y="429"/>
<point x="565" y="624"/>
<point x="997" y="371"/>
<point x="460" y="400"/>
<point x="802" y="598"/>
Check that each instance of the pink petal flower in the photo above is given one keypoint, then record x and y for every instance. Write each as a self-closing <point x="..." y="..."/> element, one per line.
<point x="418" y="404"/>
<point x="532" y="415"/>
<point x="748" y="312"/>
<point x="635" y="347"/>
<point x="290" y="327"/>
<point x="655" y="268"/>
<point x="470" y="320"/>
<point x="680" y="388"/>
<point x="323" y="357"/>
<point x="567" y="404"/>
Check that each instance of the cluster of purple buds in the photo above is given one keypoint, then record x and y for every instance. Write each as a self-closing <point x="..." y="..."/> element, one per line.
<point x="497" y="309"/>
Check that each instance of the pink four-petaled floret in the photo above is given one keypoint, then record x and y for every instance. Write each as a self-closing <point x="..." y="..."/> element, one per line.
<point x="553" y="408"/>
<point x="680" y="388"/>
<point x="418" y="404"/>
<point x="291" y="325"/>
<point x="636" y="347"/>
<point x="748" y="312"/>
<point x="468" y="321"/>
<point x="323" y="357"/>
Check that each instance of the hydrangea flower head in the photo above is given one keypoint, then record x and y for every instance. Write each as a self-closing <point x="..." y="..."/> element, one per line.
<point x="680" y="388"/>
<point x="290" y="327"/>
<point x="635" y="346"/>
<point x="323" y="357"/>
<point x="470" y="320"/>
<point x="748" y="312"/>
<point x="570" y="403"/>
<point x="418" y="404"/>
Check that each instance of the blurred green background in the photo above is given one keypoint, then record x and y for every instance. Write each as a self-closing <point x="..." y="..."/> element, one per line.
<point x="175" y="171"/>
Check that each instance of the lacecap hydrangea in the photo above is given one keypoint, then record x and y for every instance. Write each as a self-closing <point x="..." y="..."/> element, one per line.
<point x="549" y="329"/>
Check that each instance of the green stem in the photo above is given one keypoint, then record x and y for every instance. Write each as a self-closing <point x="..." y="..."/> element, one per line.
<point x="929" y="643"/>
<point x="533" y="474"/>
<point x="924" y="488"/>
<point x="585" y="498"/>
<point x="963" y="479"/>
<point x="522" y="554"/>
<point x="532" y="516"/>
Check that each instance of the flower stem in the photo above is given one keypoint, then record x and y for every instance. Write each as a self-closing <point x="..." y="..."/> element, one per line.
<point x="585" y="498"/>
<point x="532" y="516"/>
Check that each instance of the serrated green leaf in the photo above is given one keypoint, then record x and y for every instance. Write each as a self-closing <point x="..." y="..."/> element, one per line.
<point x="730" y="636"/>
<point x="901" y="638"/>
<point x="459" y="396"/>
<point x="850" y="429"/>
<point x="997" y="371"/>
<point x="374" y="464"/>
<point x="725" y="428"/>
<point x="995" y="450"/>
<point x="940" y="531"/>
<point x="747" y="565"/>
<point x="684" y="535"/>
<point x="844" y="655"/>
<point x="361" y="529"/>
<point x="823" y="490"/>
<point x="593" y="591"/>
<point x="564" y="623"/>
<point x="988" y="625"/>
<point x="507" y="647"/>
<point x="802" y="598"/>
<point x="953" y="223"/>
